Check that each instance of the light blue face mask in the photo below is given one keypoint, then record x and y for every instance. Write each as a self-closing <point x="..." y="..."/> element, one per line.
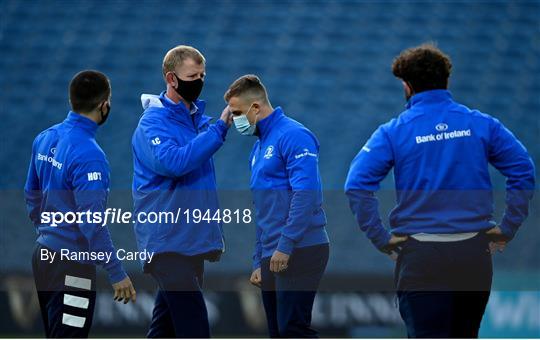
<point x="242" y="124"/>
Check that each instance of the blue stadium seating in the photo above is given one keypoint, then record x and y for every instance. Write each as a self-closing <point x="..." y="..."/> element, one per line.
<point x="326" y="63"/>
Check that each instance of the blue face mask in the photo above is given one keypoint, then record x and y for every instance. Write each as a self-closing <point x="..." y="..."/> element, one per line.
<point x="242" y="124"/>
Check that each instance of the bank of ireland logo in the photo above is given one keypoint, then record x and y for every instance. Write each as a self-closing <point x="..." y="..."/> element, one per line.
<point x="441" y="127"/>
<point x="53" y="151"/>
<point x="269" y="152"/>
<point x="156" y="141"/>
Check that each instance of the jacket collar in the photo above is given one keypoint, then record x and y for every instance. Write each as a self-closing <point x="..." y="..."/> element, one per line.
<point x="264" y="126"/>
<point x="180" y="112"/>
<point x="79" y="121"/>
<point x="431" y="96"/>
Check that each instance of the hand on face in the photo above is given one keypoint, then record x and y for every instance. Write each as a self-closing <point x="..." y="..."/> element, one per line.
<point x="226" y="116"/>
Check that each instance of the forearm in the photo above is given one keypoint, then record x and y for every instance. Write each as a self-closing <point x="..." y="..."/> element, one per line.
<point x="303" y="203"/>
<point x="33" y="207"/>
<point x="365" y="207"/>
<point x="99" y="240"/>
<point x="179" y="160"/>
<point x="516" y="211"/>
<point x="257" y="257"/>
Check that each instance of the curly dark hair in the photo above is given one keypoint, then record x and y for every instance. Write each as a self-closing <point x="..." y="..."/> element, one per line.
<point x="424" y="67"/>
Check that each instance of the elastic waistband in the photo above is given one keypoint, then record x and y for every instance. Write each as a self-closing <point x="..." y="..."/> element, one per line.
<point x="425" y="237"/>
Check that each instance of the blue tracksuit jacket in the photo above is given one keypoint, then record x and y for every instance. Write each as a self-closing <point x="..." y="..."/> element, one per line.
<point x="173" y="169"/>
<point x="440" y="151"/>
<point x="69" y="172"/>
<point x="286" y="187"/>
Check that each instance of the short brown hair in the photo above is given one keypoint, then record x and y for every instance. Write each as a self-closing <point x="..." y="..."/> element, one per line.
<point x="248" y="85"/>
<point x="87" y="90"/>
<point x="177" y="55"/>
<point x="424" y="67"/>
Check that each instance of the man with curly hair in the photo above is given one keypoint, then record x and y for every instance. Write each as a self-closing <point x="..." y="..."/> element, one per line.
<point x="442" y="228"/>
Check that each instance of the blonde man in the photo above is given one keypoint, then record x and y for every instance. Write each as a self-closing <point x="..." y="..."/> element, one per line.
<point x="173" y="146"/>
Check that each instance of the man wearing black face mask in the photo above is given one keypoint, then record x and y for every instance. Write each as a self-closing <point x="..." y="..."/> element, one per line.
<point x="173" y="147"/>
<point x="69" y="174"/>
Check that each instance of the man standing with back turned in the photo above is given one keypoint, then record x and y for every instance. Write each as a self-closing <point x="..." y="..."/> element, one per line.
<point x="173" y="147"/>
<point x="442" y="225"/>
<point x="68" y="174"/>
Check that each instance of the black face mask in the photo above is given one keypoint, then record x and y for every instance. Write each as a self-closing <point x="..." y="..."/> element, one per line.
<point x="104" y="116"/>
<point x="189" y="90"/>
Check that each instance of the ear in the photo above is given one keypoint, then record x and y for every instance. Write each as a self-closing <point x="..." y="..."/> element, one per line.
<point x="405" y="86"/>
<point x="103" y="105"/>
<point x="171" y="79"/>
<point x="408" y="88"/>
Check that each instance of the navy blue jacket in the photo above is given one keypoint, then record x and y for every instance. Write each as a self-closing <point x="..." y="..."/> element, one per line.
<point x="286" y="187"/>
<point x="173" y="169"/>
<point x="440" y="151"/>
<point x="69" y="172"/>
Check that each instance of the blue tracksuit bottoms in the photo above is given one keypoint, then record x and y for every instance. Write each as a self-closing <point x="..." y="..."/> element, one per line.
<point x="179" y="309"/>
<point x="66" y="294"/>
<point x="288" y="296"/>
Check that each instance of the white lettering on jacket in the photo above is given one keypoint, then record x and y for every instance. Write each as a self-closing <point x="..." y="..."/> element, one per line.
<point x="49" y="159"/>
<point x="443" y="136"/>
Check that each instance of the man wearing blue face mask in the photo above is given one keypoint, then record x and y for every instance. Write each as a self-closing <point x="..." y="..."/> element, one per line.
<point x="173" y="147"/>
<point x="291" y="249"/>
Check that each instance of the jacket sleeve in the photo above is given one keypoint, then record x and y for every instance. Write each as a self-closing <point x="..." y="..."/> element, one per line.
<point x="167" y="157"/>
<point x="90" y="183"/>
<point x="368" y="169"/>
<point x="32" y="192"/>
<point x="257" y="253"/>
<point x="510" y="157"/>
<point x="300" y="152"/>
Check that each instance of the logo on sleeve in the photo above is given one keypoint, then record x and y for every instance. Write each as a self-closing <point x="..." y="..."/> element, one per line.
<point x="156" y="141"/>
<point x="305" y="153"/>
<point x="94" y="176"/>
<point x="269" y="152"/>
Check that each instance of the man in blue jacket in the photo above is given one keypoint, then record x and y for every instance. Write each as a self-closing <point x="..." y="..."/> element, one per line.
<point x="443" y="224"/>
<point x="173" y="147"/>
<point x="291" y="249"/>
<point x="69" y="174"/>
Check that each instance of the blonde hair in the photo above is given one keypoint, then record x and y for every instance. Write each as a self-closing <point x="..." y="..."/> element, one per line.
<point x="176" y="56"/>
